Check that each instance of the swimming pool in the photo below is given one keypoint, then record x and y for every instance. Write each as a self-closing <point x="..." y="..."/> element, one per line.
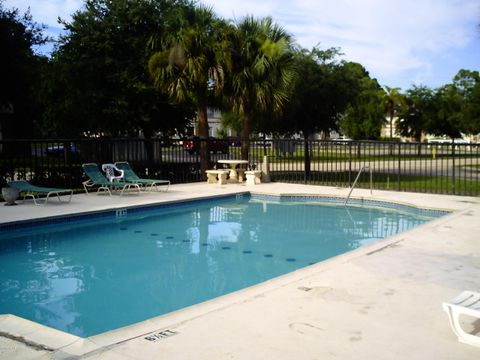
<point x="100" y="272"/>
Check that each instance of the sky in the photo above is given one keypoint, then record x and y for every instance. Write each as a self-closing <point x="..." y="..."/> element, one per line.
<point x="400" y="42"/>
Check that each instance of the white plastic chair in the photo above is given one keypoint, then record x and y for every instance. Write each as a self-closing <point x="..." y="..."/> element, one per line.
<point x="110" y="170"/>
<point x="466" y="303"/>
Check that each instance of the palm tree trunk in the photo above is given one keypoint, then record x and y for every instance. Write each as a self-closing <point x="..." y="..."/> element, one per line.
<point x="391" y="110"/>
<point x="391" y="125"/>
<point x="307" y="159"/>
<point x="245" y="135"/>
<point x="203" y="134"/>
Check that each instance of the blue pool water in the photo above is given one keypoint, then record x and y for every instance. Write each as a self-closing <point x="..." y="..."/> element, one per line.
<point x="92" y="275"/>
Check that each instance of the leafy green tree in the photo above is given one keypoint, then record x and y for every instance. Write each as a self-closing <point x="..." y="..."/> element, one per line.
<point x="317" y="97"/>
<point x="447" y="115"/>
<point x="417" y="112"/>
<point x="99" y="82"/>
<point x="364" y="115"/>
<point x="456" y="106"/>
<point x="468" y="84"/>
<point x="262" y="72"/>
<point x="192" y="64"/>
<point x="231" y="120"/>
<point x="20" y="72"/>
<point x="472" y="111"/>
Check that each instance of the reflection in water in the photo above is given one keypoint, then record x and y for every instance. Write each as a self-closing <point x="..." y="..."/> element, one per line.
<point x="89" y="277"/>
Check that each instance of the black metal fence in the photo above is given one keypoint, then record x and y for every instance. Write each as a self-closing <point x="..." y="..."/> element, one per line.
<point x="417" y="167"/>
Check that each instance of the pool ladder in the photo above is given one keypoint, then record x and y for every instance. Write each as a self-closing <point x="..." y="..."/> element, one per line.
<point x="355" y="182"/>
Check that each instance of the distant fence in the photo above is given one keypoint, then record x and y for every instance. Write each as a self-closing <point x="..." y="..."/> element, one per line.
<point x="416" y="167"/>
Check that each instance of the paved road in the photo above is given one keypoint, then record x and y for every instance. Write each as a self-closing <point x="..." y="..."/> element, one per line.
<point x="464" y="168"/>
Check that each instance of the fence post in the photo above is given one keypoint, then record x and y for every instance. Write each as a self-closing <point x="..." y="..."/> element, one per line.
<point x="453" y="167"/>
<point x="306" y="161"/>
<point x="399" y="166"/>
<point x="265" y="169"/>
<point x="350" y="163"/>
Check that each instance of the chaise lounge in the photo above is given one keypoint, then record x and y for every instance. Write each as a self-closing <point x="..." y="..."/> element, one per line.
<point x="34" y="191"/>
<point x="130" y="176"/>
<point x="96" y="178"/>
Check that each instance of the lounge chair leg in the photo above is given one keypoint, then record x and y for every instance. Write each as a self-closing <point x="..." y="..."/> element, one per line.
<point x="32" y="196"/>
<point x="123" y="189"/>
<point x="129" y="186"/>
<point x="85" y="185"/>
<point x="104" y="188"/>
<point x="466" y="303"/>
<point x="46" y="199"/>
<point x="462" y="336"/>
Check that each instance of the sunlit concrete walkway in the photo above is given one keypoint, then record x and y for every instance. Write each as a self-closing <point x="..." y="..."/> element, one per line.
<point x="382" y="301"/>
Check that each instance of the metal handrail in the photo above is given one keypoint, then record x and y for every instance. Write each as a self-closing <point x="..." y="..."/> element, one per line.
<point x="355" y="182"/>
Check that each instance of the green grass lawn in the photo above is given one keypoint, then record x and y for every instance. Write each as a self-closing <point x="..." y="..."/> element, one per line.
<point x="429" y="184"/>
<point x="343" y="154"/>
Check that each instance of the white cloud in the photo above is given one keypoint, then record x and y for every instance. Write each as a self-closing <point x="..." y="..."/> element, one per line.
<point x="47" y="11"/>
<point x="388" y="37"/>
<point x="391" y="38"/>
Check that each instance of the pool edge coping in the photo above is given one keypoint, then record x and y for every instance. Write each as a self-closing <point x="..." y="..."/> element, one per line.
<point x="357" y="200"/>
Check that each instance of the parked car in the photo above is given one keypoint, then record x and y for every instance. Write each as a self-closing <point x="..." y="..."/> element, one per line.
<point x="192" y="145"/>
<point x="447" y="141"/>
<point x="59" y="150"/>
<point x="342" y="141"/>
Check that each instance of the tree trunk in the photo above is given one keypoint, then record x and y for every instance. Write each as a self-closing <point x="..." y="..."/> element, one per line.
<point x="391" y="130"/>
<point x="418" y="139"/>
<point x="391" y="125"/>
<point x="307" y="159"/>
<point x="245" y="136"/>
<point x="203" y="134"/>
<point x="453" y="165"/>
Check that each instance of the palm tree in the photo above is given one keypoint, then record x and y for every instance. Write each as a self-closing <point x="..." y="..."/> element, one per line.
<point x="393" y="100"/>
<point x="262" y="71"/>
<point x="192" y="65"/>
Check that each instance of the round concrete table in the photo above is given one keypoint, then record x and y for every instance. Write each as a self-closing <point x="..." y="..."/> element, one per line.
<point x="233" y="167"/>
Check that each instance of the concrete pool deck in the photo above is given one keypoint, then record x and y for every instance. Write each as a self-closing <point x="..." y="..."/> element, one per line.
<point x="381" y="301"/>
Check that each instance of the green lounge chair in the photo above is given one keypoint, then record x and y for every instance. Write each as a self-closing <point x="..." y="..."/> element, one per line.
<point x="34" y="192"/>
<point x="130" y="176"/>
<point x="96" y="178"/>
